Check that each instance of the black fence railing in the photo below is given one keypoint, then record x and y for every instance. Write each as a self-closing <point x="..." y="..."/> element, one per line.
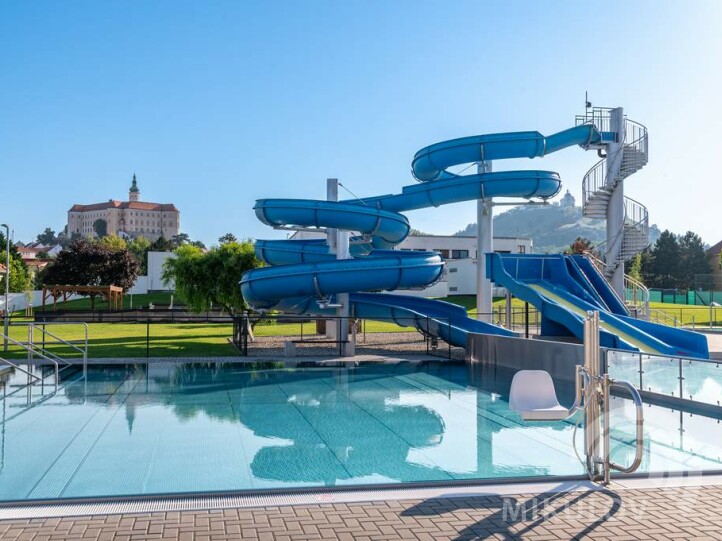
<point x="297" y="336"/>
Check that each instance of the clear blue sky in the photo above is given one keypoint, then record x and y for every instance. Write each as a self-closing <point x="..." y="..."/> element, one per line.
<point x="217" y="103"/>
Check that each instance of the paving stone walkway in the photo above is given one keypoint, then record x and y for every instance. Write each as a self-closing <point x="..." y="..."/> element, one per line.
<point x="667" y="513"/>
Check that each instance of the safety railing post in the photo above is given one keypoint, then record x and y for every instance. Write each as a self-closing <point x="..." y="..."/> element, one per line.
<point x="147" y="338"/>
<point x="448" y="338"/>
<point x="681" y="379"/>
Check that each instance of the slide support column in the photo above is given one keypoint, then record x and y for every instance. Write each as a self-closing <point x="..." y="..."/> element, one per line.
<point x="615" y="209"/>
<point x="339" y="242"/>
<point x="484" y="238"/>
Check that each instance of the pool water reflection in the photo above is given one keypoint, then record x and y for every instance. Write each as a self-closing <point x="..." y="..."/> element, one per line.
<point x="175" y="428"/>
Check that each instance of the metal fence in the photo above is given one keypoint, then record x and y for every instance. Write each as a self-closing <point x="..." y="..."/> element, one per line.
<point x="298" y="336"/>
<point x="167" y="334"/>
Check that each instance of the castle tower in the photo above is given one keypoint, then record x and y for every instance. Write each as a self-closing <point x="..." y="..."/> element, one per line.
<point x="134" y="193"/>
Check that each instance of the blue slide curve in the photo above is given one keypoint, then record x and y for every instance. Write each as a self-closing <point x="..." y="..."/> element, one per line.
<point x="301" y="272"/>
<point x="563" y="288"/>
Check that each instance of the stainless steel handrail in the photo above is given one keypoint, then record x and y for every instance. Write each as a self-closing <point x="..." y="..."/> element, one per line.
<point x="16" y="367"/>
<point x="639" y="428"/>
<point x="45" y="354"/>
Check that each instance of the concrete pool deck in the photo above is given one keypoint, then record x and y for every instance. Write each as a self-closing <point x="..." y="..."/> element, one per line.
<point x="671" y="508"/>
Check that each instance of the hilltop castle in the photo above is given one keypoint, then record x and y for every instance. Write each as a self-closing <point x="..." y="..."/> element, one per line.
<point x="130" y="218"/>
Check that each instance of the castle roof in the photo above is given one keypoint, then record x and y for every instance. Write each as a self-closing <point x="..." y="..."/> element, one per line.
<point x="125" y="205"/>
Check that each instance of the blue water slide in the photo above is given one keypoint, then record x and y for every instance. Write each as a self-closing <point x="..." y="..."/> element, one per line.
<point x="563" y="296"/>
<point x="303" y="272"/>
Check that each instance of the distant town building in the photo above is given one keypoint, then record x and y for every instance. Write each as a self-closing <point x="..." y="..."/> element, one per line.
<point x="128" y="219"/>
<point x="568" y="200"/>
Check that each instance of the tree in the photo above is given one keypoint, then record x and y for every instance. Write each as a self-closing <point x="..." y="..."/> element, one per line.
<point x="228" y="237"/>
<point x="693" y="260"/>
<point x="161" y="244"/>
<point x="113" y="242"/>
<point x="19" y="274"/>
<point x="198" y="244"/>
<point x="580" y="246"/>
<point x="180" y="239"/>
<point x="663" y="269"/>
<point x="47" y="237"/>
<point x="100" y="227"/>
<point x="209" y="278"/>
<point x="139" y="247"/>
<point x="417" y="233"/>
<point x="635" y="268"/>
<point x="92" y="264"/>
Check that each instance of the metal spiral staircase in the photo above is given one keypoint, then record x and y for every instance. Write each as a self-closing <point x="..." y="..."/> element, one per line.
<point x="598" y="186"/>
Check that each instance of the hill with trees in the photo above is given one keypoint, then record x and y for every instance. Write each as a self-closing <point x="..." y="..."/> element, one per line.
<point x="553" y="228"/>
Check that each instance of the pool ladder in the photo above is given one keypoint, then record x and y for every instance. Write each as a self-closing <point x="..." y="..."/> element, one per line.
<point x="533" y="395"/>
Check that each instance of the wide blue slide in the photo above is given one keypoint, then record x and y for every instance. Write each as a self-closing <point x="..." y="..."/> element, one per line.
<point x="302" y="276"/>
<point x="563" y="288"/>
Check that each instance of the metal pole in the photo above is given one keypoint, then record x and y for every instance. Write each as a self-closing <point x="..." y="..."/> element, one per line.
<point x="484" y="241"/>
<point x="508" y="309"/>
<point x="6" y="311"/>
<point x="615" y="207"/>
<point x="526" y="320"/>
<point x="592" y="411"/>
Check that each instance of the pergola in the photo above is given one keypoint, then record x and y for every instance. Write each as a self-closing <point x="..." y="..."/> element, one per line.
<point x="112" y="294"/>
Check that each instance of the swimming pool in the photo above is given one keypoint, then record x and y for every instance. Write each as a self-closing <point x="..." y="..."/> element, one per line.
<point x="169" y="428"/>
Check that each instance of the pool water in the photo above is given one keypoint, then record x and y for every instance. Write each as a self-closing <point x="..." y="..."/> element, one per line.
<point x="180" y="428"/>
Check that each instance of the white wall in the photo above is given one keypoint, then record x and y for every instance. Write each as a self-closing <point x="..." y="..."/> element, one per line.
<point x="155" y="271"/>
<point x="461" y="276"/>
<point x="439" y="289"/>
<point x="19" y="301"/>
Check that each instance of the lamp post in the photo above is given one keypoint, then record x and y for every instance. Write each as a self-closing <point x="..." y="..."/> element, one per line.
<point x="6" y="313"/>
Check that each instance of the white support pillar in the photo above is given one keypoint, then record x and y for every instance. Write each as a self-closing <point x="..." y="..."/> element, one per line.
<point x="338" y="241"/>
<point x="615" y="208"/>
<point x="484" y="239"/>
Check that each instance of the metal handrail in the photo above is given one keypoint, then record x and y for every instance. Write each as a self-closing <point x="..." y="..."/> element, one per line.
<point x="639" y="428"/>
<point x="629" y="280"/>
<point x="16" y="367"/>
<point x="670" y="320"/>
<point x="32" y="352"/>
<point x="46" y="354"/>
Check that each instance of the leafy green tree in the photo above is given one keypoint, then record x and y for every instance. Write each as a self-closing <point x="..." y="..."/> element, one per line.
<point x="19" y="276"/>
<point x="161" y="244"/>
<point x="228" y="237"/>
<point x="113" y="242"/>
<point x="693" y="260"/>
<point x="203" y="279"/>
<point x="663" y="270"/>
<point x="100" y="227"/>
<point x="139" y="247"/>
<point x="92" y="264"/>
<point x="198" y="244"/>
<point x="635" y="268"/>
<point x="47" y="237"/>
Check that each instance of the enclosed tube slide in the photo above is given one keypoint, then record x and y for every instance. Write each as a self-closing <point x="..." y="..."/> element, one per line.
<point x="303" y="272"/>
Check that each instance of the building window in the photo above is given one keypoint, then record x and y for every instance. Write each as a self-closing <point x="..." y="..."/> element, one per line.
<point x="522" y="249"/>
<point x="459" y="254"/>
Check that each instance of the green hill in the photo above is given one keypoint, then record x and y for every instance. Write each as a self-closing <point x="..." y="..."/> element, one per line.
<point x="552" y="227"/>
